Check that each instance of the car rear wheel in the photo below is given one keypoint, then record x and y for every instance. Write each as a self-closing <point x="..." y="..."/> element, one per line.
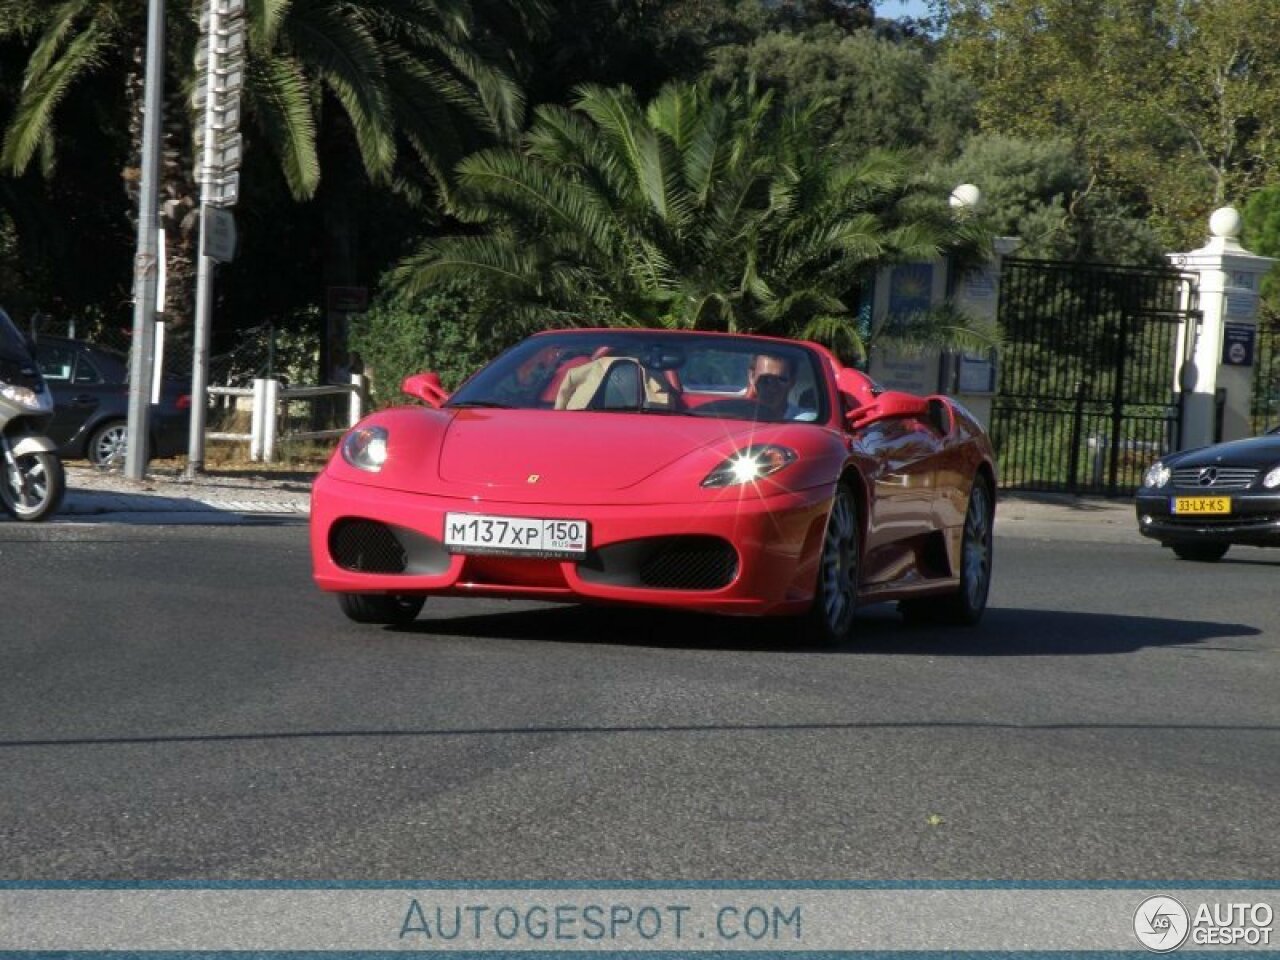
<point x="966" y="606"/>
<point x="836" y="596"/>
<point x="395" y="609"/>
<point x="108" y="444"/>
<point x="1201" y="552"/>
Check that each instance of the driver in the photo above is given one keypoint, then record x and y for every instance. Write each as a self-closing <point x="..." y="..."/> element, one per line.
<point x="769" y="382"/>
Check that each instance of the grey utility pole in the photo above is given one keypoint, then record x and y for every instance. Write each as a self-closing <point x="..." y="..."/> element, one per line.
<point x="220" y="60"/>
<point x="146" y="263"/>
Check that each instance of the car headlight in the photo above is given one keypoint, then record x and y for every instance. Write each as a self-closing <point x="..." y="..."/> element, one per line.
<point x="26" y="397"/>
<point x="1272" y="479"/>
<point x="365" y="448"/>
<point x="748" y="465"/>
<point x="1157" y="475"/>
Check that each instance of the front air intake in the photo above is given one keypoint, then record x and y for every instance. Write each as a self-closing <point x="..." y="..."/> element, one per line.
<point x="366" y="546"/>
<point x="664" y="563"/>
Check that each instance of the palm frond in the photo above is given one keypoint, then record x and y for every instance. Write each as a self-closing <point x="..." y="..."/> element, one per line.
<point x="348" y="58"/>
<point x="34" y="113"/>
<point x="264" y="19"/>
<point x="277" y="91"/>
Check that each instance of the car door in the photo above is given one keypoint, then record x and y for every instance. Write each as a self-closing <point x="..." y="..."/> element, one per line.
<point x="82" y="394"/>
<point x="902" y="456"/>
<point x="57" y="362"/>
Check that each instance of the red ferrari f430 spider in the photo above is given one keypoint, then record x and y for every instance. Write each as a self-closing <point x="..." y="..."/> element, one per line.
<point x="721" y="473"/>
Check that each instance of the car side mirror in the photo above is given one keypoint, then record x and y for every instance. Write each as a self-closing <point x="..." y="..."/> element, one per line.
<point x="425" y="387"/>
<point x="941" y="416"/>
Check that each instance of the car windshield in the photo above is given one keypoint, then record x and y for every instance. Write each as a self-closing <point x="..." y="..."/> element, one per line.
<point x="637" y="371"/>
<point x="13" y="346"/>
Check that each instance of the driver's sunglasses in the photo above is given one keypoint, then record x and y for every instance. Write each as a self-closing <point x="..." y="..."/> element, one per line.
<point x="772" y="380"/>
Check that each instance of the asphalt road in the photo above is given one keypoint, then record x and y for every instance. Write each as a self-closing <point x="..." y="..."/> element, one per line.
<point x="179" y="702"/>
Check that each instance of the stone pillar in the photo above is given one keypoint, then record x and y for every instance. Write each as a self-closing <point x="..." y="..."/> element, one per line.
<point x="1220" y="360"/>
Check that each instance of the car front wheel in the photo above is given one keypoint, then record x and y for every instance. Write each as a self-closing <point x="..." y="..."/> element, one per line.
<point x="393" y="609"/>
<point x="1201" y="552"/>
<point x="836" y="596"/>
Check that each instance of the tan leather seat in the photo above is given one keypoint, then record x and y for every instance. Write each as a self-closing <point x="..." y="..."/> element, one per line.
<point x="579" y="389"/>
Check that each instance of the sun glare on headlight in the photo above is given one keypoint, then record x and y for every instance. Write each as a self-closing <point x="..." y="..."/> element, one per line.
<point x="749" y="465"/>
<point x="1157" y="476"/>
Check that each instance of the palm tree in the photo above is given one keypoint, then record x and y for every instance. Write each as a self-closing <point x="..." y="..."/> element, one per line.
<point x="389" y="72"/>
<point x="697" y="211"/>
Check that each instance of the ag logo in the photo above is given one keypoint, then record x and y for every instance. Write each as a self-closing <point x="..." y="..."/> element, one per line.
<point x="1161" y="924"/>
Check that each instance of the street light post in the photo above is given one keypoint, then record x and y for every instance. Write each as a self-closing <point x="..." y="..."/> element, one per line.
<point x="146" y="259"/>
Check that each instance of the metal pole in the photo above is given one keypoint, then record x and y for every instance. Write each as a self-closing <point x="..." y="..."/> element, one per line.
<point x="145" y="265"/>
<point x="200" y="360"/>
<point x="204" y="268"/>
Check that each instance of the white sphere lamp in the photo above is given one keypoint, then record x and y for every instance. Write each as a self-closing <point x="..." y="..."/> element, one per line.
<point x="965" y="197"/>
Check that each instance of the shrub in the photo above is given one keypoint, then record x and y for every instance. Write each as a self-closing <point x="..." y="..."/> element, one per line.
<point x="453" y="329"/>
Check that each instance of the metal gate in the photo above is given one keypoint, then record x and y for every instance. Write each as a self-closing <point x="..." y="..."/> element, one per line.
<point x="1086" y="398"/>
<point x="1266" y="375"/>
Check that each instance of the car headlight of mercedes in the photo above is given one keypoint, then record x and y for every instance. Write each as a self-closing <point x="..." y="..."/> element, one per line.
<point x="1272" y="479"/>
<point x="748" y="465"/>
<point x="1157" y="475"/>
<point x="365" y="448"/>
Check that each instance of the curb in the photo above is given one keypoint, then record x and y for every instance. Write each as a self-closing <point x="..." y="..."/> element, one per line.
<point x="81" y="503"/>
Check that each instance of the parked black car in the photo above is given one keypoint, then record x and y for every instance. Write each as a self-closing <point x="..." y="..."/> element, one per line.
<point x="1201" y="502"/>
<point x="90" y="386"/>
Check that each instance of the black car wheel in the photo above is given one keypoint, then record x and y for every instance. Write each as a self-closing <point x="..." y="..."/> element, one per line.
<point x="966" y="606"/>
<point x="381" y="608"/>
<point x="1201" y="552"/>
<point x="108" y="444"/>
<point x="836" y="596"/>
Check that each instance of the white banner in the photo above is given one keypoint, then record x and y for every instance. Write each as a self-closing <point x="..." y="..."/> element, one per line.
<point x="684" y="918"/>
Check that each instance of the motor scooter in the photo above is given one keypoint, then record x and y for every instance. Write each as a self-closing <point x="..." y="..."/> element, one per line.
<point x="32" y="481"/>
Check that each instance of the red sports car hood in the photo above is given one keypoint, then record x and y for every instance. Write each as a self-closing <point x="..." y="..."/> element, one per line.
<point x="562" y="451"/>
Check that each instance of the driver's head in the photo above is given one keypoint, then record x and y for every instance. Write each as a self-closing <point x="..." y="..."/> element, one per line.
<point x="770" y="379"/>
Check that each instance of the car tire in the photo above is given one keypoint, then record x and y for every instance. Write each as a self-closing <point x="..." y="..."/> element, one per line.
<point x="1201" y="552"/>
<point x="390" y="609"/>
<point x="835" y="597"/>
<point x="964" y="607"/>
<point x="107" y="444"/>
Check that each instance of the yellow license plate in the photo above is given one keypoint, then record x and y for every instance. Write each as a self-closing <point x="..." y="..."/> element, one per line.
<point x="1201" y="504"/>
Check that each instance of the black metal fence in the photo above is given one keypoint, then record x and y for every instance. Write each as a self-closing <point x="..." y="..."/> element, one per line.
<point x="1086" y="398"/>
<point x="1266" y="375"/>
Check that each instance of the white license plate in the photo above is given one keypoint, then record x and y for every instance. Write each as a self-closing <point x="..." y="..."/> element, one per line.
<point x="524" y="536"/>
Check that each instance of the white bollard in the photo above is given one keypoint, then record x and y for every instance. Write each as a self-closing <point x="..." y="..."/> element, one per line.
<point x="271" y="411"/>
<point x="258" y="416"/>
<point x="355" y="410"/>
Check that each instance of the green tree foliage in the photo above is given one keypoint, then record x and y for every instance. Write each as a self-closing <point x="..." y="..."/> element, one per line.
<point x="1262" y="236"/>
<point x="1040" y="191"/>
<point x="881" y="93"/>
<point x="385" y="92"/>
<point x="1173" y="104"/>
<point x="698" y="211"/>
